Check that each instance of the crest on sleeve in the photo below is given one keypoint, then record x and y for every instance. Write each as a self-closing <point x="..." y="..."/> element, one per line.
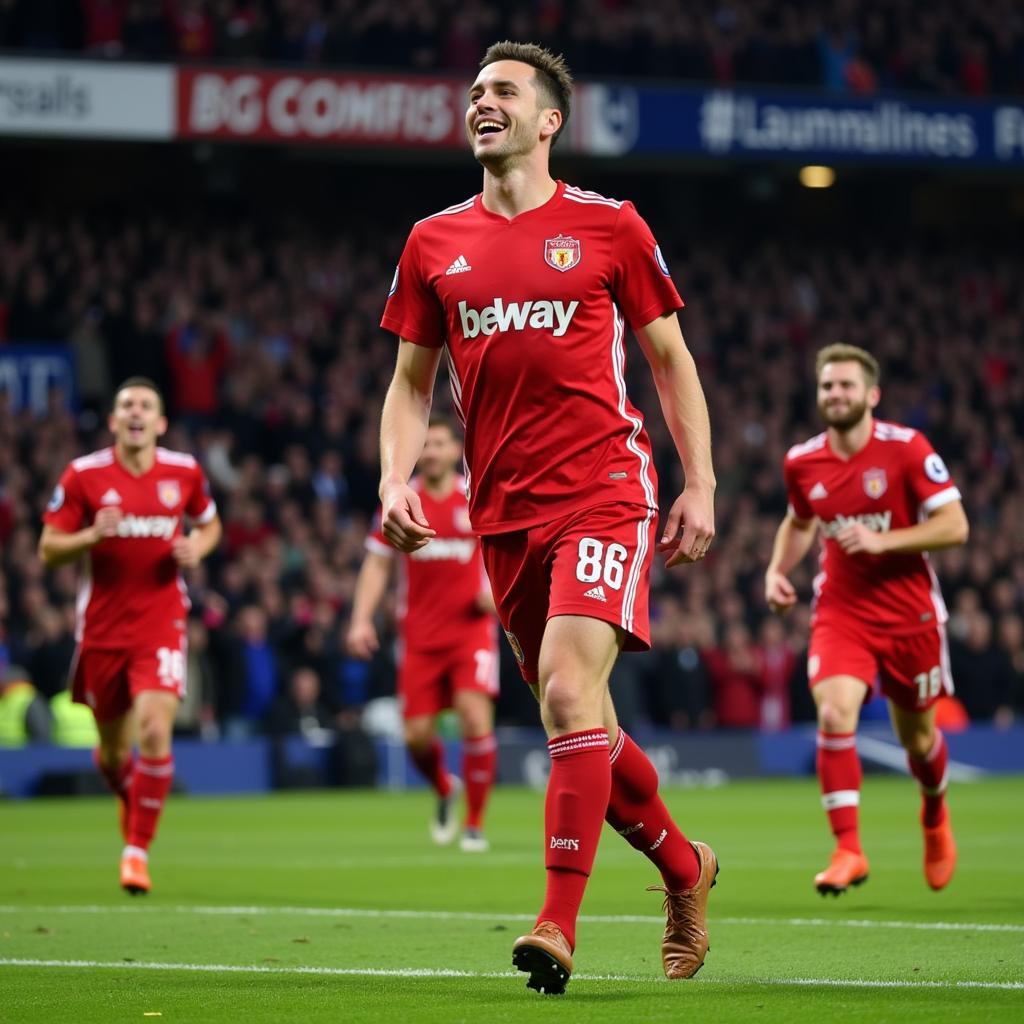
<point x="394" y="282"/>
<point x="56" y="499"/>
<point x="660" y="260"/>
<point x="562" y="253"/>
<point x="935" y="469"/>
<point x="169" y="493"/>
<point x="875" y="483"/>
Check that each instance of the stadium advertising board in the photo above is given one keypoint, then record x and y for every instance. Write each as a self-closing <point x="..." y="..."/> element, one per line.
<point x="79" y="99"/>
<point x="620" y="120"/>
<point x="31" y="374"/>
<point x="317" y="107"/>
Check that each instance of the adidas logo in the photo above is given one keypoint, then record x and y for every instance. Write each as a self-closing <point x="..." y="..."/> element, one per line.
<point x="459" y="266"/>
<point x="111" y="498"/>
<point x="818" y="492"/>
<point x="597" y="593"/>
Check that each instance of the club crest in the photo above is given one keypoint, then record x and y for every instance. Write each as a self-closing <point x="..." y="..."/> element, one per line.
<point x="875" y="483"/>
<point x="169" y="493"/>
<point x="562" y="253"/>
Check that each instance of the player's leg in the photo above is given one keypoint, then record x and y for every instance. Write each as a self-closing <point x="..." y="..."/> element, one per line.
<point x="421" y="688"/>
<point x="154" y="775"/>
<point x="475" y="709"/>
<point x="914" y="675"/>
<point x="838" y="699"/>
<point x="576" y="658"/>
<point x="98" y="680"/>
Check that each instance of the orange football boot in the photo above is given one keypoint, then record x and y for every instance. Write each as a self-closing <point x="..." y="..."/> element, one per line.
<point x="939" y="855"/>
<point x="845" y="869"/>
<point x="135" y="875"/>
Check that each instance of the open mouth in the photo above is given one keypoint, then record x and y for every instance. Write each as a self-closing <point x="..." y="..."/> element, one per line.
<point x="488" y="127"/>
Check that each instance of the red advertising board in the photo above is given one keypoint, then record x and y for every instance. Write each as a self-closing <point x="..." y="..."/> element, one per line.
<point x="311" y="107"/>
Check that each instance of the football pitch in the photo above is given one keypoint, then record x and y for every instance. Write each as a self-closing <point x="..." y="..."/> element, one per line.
<point x="336" y="907"/>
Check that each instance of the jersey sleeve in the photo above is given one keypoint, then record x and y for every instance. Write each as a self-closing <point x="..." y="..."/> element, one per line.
<point x="927" y="477"/>
<point x="201" y="508"/>
<point x="799" y="506"/>
<point x="66" y="509"/>
<point x="413" y="311"/>
<point x="640" y="282"/>
<point x="375" y="539"/>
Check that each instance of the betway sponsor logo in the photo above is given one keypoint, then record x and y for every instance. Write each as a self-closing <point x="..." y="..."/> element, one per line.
<point x="444" y="550"/>
<point x="516" y="316"/>
<point x="162" y="527"/>
<point x="558" y="843"/>
<point x="878" y="522"/>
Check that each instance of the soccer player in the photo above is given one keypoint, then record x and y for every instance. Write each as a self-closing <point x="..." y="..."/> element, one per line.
<point x="882" y="499"/>
<point x="526" y="289"/>
<point x="448" y="653"/>
<point x="123" y="508"/>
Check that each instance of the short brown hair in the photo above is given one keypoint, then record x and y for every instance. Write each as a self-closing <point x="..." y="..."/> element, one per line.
<point x="841" y="353"/>
<point x="552" y="78"/>
<point x="141" y="382"/>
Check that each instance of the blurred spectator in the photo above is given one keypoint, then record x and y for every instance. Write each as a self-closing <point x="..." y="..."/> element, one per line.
<point x="249" y="680"/>
<point x="737" y="682"/>
<point x="24" y="715"/>
<point x="304" y="709"/>
<point x="982" y="672"/>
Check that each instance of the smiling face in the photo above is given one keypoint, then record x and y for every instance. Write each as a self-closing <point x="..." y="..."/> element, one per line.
<point x="137" y="419"/>
<point x="506" y="119"/>
<point x="844" y="397"/>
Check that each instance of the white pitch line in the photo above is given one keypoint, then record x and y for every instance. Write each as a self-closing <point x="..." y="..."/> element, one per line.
<point x="431" y="972"/>
<point x="467" y="915"/>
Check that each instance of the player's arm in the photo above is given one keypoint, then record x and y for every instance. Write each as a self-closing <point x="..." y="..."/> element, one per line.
<point x="58" y="547"/>
<point x="403" y="431"/>
<point x="192" y="548"/>
<point x="361" y="638"/>
<point x="686" y="414"/>
<point x="945" y="527"/>
<point x="793" y="540"/>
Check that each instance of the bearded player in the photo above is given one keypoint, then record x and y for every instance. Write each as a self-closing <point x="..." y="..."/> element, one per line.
<point x="881" y="498"/>
<point x="123" y="509"/>
<point x="526" y="290"/>
<point x="448" y="655"/>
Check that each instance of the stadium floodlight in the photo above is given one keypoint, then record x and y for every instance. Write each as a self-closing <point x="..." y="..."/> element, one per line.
<point x="817" y="176"/>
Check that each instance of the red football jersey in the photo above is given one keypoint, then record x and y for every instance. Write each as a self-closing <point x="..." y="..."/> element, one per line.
<point x="132" y="591"/>
<point x="532" y="312"/>
<point x="439" y="584"/>
<point x="891" y="483"/>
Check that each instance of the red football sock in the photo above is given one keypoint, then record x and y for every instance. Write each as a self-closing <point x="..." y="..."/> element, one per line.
<point x="430" y="761"/>
<point x="637" y="813"/>
<point x="479" y="761"/>
<point x="150" y="786"/>
<point x="118" y="780"/>
<point x="574" y="810"/>
<point x="930" y="772"/>
<point x="839" y="774"/>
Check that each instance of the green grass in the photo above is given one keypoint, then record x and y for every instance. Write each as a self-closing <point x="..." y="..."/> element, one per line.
<point x="368" y="854"/>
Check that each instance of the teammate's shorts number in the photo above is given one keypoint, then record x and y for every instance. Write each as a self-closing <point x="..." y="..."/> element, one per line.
<point x="929" y="684"/>
<point x="170" y="666"/>
<point x="596" y="562"/>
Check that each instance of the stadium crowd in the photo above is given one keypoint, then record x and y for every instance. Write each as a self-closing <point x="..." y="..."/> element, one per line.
<point x="267" y="345"/>
<point x="845" y="46"/>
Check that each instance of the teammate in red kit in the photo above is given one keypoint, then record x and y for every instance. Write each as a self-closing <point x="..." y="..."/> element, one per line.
<point x="448" y="653"/>
<point x="526" y="289"/>
<point x="124" y="508"/>
<point x="883" y="498"/>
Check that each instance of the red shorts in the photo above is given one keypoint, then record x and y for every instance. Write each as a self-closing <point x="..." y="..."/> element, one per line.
<point x="595" y="562"/>
<point x="913" y="670"/>
<point x="109" y="679"/>
<point x="429" y="680"/>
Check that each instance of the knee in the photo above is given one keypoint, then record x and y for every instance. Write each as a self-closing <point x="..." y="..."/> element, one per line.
<point x="112" y="755"/>
<point x="837" y="716"/>
<point x="475" y="722"/>
<point x="154" y="736"/>
<point x="919" y="744"/>
<point x="419" y="735"/>
<point x="562" y="706"/>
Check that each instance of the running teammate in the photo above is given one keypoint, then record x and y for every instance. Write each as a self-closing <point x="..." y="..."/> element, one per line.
<point x="526" y="290"/>
<point x="881" y="498"/>
<point x="448" y="654"/>
<point x="124" y="508"/>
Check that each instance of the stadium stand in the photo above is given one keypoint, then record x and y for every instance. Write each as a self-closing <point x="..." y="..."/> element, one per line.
<point x="844" y="47"/>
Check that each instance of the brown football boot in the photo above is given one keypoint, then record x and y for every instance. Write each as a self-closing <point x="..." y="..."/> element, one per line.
<point x="545" y="955"/>
<point x="685" y="943"/>
<point x="845" y="869"/>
